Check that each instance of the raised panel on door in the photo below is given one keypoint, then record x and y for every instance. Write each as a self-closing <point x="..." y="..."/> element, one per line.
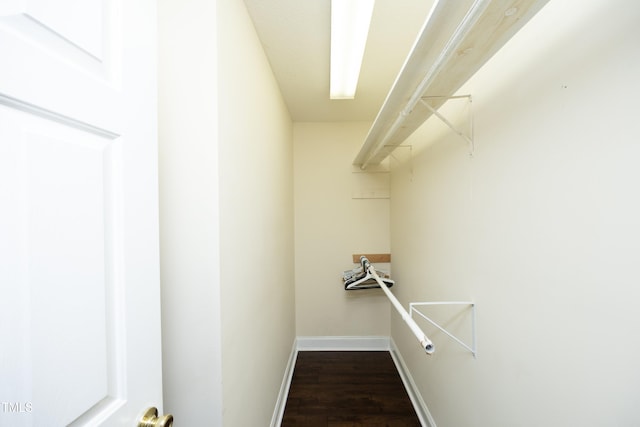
<point x="64" y="56"/>
<point x="62" y="275"/>
<point x="83" y="27"/>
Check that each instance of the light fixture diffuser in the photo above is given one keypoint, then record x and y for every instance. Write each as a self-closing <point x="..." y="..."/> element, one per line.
<point x="350" y="21"/>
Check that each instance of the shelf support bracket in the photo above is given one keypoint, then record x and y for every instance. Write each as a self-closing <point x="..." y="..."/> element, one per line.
<point x="467" y="138"/>
<point x="472" y="347"/>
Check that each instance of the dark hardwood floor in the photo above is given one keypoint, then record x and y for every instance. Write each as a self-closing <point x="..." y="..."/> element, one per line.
<point x="352" y="388"/>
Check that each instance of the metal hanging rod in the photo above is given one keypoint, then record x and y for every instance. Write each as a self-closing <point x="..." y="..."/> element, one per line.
<point x="366" y="277"/>
<point x="417" y="332"/>
<point x="472" y="347"/>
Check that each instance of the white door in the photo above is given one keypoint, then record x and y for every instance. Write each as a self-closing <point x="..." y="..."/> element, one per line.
<point x="79" y="263"/>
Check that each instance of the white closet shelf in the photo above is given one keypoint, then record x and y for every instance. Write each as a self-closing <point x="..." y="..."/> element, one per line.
<point x="458" y="37"/>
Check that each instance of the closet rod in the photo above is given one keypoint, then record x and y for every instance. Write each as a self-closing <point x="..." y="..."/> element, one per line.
<point x="422" y="338"/>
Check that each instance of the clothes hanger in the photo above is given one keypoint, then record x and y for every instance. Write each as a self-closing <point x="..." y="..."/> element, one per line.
<point x="361" y="278"/>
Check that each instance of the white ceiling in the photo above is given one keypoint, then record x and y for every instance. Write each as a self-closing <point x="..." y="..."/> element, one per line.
<point x="295" y="35"/>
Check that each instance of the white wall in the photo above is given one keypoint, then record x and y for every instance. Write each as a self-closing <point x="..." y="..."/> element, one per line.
<point x="330" y="226"/>
<point x="189" y="212"/>
<point x="226" y="218"/>
<point x="540" y="228"/>
<point x="256" y="223"/>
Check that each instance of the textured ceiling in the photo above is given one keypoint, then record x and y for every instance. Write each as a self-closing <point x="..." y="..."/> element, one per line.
<point x="295" y="35"/>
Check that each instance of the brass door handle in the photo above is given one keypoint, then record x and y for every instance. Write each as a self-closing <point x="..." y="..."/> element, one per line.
<point x="151" y="419"/>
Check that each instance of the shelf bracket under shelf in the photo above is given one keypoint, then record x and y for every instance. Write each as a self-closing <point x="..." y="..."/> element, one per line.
<point x="472" y="347"/>
<point x="468" y="138"/>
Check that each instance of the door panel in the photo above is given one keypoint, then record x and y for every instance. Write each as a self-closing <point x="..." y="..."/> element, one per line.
<point x="79" y="280"/>
<point x="55" y="63"/>
<point x="83" y="27"/>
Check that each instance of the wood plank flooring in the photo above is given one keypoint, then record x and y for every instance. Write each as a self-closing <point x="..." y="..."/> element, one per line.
<point x="347" y="389"/>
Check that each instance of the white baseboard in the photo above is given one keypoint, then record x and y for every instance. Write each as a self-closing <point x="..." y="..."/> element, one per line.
<point x="412" y="389"/>
<point x="343" y="344"/>
<point x="281" y="402"/>
<point x="351" y="344"/>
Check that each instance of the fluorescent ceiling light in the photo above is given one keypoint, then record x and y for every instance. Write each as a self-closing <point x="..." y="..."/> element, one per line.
<point x="350" y="21"/>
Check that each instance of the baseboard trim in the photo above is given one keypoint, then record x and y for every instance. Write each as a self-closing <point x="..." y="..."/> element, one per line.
<point x="319" y="343"/>
<point x="343" y="343"/>
<point x="281" y="402"/>
<point x="351" y="344"/>
<point x="412" y="389"/>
